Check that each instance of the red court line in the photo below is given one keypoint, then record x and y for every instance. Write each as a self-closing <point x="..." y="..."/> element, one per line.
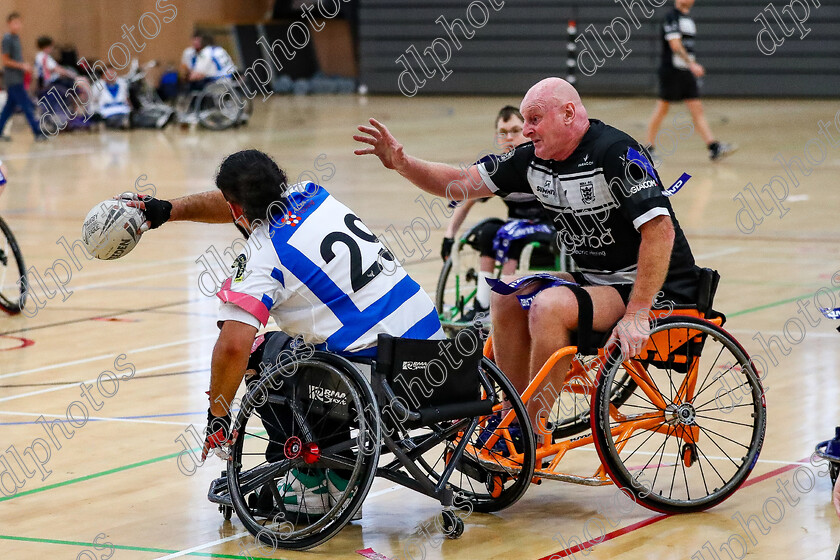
<point x="657" y="518"/>
<point x="24" y="342"/>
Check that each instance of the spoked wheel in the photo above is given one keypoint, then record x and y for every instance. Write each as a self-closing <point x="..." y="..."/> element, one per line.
<point x="498" y="463"/>
<point x="306" y="452"/>
<point x="690" y="434"/>
<point x="570" y="413"/>
<point x="218" y="109"/>
<point x="13" y="283"/>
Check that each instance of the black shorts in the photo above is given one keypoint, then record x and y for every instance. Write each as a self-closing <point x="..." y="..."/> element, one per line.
<point x="677" y="85"/>
<point x="624" y="290"/>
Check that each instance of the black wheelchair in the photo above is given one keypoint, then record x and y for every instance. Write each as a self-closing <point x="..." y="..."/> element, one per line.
<point x="219" y="104"/>
<point x="433" y="415"/>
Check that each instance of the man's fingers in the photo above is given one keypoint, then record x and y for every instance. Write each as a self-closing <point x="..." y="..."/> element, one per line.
<point x="372" y="131"/>
<point x="365" y="139"/>
<point x="145" y="226"/>
<point x="364" y="151"/>
<point x="379" y="126"/>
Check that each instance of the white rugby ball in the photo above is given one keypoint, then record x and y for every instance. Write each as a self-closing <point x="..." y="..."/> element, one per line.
<point x="112" y="229"/>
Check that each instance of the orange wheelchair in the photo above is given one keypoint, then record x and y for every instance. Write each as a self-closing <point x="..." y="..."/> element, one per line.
<point x="679" y="427"/>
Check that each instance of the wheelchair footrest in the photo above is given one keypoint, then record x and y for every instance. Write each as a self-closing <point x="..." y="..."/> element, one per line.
<point x="455" y="411"/>
<point x="219" y="492"/>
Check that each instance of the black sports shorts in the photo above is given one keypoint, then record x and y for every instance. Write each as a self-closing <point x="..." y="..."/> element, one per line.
<point x="623" y="290"/>
<point x="677" y="85"/>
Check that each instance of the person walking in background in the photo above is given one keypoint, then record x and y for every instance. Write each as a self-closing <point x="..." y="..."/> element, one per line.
<point x="13" y="70"/>
<point x="679" y="75"/>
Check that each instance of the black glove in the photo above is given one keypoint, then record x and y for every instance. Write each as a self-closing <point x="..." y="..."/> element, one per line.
<point x="157" y="211"/>
<point x="217" y="433"/>
<point x="446" y="247"/>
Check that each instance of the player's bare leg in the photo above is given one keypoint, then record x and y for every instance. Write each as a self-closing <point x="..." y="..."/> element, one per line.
<point x="552" y="318"/>
<point x="659" y="113"/>
<point x="698" y="115"/>
<point x="511" y="339"/>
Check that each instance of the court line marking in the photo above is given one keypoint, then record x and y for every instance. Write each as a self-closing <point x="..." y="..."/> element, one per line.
<point x="93" y="380"/>
<point x="244" y="533"/>
<point x="12" y="412"/>
<point x="188" y="551"/>
<point x="776" y="303"/>
<point x="103" y="356"/>
<point x="96" y="418"/>
<point x="657" y="518"/>
<point x="127" y="547"/>
<point x="721" y="253"/>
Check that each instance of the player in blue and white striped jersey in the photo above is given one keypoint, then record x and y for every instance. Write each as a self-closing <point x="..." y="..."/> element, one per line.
<point x="310" y="263"/>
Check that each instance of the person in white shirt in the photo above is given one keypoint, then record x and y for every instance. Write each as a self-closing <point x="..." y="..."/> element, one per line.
<point x="112" y="103"/>
<point x="213" y="62"/>
<point x="190" y="56"/>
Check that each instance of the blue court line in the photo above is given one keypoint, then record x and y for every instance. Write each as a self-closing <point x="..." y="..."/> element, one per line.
<point x="115" y="418"/>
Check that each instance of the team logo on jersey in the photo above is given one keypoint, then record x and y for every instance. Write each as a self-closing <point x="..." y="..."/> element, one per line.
<point x="587" y="192"/>
<point x="585" y="161"/>
<point x="239" y="268"/>
<point x="506" y="156"/>
<point x="290" y="219"/>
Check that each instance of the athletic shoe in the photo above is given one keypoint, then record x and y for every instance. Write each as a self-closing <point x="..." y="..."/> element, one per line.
<point x="477" y="313"/>
<point x="720" y="150"/>
<point x="305" y="493"/>
<point x="501" y="444"/>
<point x="337" y="485"/>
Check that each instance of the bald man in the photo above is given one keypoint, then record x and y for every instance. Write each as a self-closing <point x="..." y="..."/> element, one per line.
<point x="610" y="212"/>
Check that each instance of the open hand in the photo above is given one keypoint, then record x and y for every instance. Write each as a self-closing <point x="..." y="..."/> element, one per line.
<point x="384" y="145"/>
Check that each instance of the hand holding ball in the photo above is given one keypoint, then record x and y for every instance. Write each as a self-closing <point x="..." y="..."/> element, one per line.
<point x="112" y="229"/>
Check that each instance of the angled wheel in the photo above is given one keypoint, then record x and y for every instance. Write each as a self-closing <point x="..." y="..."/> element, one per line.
<point x="217" y="108"/>
<point x="498" y="463"/>
<point x="306" y="452"/>
<point x="13" y="283"/>
<point x="690" y="434"/>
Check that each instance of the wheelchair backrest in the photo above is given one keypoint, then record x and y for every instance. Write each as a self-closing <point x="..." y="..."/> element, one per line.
<point x="428" y="373"/>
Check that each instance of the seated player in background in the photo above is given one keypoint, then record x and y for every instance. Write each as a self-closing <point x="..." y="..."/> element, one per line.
<point x="302" y="270"/>
<point x="526" y="221"/>
<point x="112" y="103"/>
<point x="213" y="62"/>
<point x="190" y="56"/>
<point x="51" y="75"/>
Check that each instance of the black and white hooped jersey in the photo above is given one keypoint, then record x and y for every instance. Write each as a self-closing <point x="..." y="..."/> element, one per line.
<point x="321" y="274"/>
<point x="599" y="198"/>
<point x="677" y="25"/>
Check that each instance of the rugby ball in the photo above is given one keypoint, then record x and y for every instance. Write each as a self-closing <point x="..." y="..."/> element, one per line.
<point x="112" y="229"/>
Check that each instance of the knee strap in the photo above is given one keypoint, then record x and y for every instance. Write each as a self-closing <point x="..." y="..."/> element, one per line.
<point x="584" y="331"/>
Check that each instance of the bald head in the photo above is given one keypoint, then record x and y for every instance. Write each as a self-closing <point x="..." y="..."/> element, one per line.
<point x="555" y="118"/>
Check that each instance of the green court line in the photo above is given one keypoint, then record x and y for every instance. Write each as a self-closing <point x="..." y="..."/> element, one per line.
<point x="134" y="548"/>
<point x="777" y="303"/>
<point x="95" y="475"/>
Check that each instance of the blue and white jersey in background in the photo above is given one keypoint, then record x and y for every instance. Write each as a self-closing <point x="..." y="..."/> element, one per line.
<point x="214" y="62"/>
<point x="112" y="99"/>
<point x="320" y="273"/>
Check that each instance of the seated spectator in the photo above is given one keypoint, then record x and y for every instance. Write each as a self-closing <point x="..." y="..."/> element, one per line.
<point x="47" y="70"/>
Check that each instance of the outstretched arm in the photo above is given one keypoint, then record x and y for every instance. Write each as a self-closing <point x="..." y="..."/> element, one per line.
<point x="209" y="207"/>
<point x="434" y="178"/>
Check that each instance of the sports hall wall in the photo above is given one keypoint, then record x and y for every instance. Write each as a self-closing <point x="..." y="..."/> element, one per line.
<point x="522" y="41"/>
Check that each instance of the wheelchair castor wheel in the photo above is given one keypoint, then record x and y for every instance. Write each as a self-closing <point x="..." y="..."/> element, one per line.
<point x="689" y="454"/>
<point x="226" y="511"/>
<point x="495" y="485"/>
<point x="453" y="526"/>
<point x="471" y="275"/>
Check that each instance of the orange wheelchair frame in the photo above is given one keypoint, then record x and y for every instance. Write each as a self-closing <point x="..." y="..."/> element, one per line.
<point x="583" y="379"/>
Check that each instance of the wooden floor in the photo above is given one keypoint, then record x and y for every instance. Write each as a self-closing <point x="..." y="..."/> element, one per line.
<point x="117" y="481"/>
